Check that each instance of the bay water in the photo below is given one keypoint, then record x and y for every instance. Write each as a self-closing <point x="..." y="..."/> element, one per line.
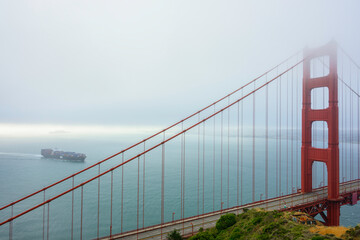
<point x="23" y="170"/>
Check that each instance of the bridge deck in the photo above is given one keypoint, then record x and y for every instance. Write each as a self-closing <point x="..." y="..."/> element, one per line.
<point x="191" y="225"/>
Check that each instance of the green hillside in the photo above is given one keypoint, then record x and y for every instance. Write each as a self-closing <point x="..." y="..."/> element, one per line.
<point x="259" y="224"/>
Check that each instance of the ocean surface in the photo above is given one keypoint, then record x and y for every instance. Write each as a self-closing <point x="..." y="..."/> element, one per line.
<point x="23" y="170"/>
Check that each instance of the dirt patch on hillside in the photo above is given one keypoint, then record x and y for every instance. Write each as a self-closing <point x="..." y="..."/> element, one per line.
<point x="323" y="230"/>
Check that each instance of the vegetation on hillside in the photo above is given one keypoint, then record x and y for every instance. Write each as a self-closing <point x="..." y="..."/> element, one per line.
<point x="353" y="233"/>
<point x="174" y="235"/>
<point x="260" y="224"/>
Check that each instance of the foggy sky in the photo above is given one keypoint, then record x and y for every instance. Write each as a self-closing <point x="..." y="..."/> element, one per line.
<point x="147" y="62"/>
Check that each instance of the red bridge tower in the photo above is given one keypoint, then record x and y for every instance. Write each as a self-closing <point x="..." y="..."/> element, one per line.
<point x="330" y="115"/>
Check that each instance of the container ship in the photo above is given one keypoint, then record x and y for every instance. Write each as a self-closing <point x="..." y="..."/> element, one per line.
<point x="50" y="153"/>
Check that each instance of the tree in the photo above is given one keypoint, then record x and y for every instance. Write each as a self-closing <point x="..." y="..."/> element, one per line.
<point x="174" y="235"/>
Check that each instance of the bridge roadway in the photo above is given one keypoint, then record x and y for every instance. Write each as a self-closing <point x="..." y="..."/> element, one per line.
<point x="191" y="225"/>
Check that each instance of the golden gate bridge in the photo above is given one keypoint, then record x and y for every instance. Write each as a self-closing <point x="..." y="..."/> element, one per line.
<point x="287" y="140"/>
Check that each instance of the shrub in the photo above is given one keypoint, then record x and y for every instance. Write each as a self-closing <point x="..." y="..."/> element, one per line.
<point x="270" y="228"/>
<point x="213" y="232"/>
<point x="354" y="232"/>
<point x="235" y="234"/>
<point x="201" y="229"/>
<point x="226" y="221"/>
<point x="202" y="236"/>
<point x="264" y="236"/>
<point x="277" y="214"/>
<point x="174" y="235"/>
<point x="256" y="220"/>
<point x="319" y="238"/>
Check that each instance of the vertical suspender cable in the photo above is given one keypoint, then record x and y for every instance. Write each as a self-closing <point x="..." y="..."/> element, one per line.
<point x="184" y="178"/>
<point x="72" y="211"/>
<point x="203" y="174"/>
<point x="122" y="194"/>
<point x="162" y="180"/>
<point x="81" y="211"/>
<point x="358" y="128"/>
<point x="228" y="156"/>
<point x="266" y="138"/>
<point x="277" y="137"/>
<point x="292" y="130"/>
<point x="238" y="153"/>
<point x="287" y="133"/>
<point x="343" y="122"/>
<point x="11" y="224"/>
<point x="198" y="172"/>
<point x="280" y="192"/>
<point x="253" y="149"/>
<point x="214" y="162"/>
<point x="351" y="128"/>
<point x="98" y="206"/>
<point x="111" y="202"/>
<point x="241" y="149"/>
<point x="221" y="162"/>
<point x="344" y="133"/>
<point x="48" y="222"/>
<point x="138" y="195"/>
<point x="143" y="195"/>
<point x="298" y="124"/>
<point x="182" y="171"/>
<point x="44" y="214"/>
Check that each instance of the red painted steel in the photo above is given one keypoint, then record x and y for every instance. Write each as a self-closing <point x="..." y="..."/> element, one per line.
<point x="266" y="141"/>
<point x="309" y="154"/>
<point x="354" y="198"/>
<point x="228" y="156"/>
<point x="72" y="211"/>
<point x="203" y="171"/>
<point x="81" y="210"/>
<point x="320" y="206"/>
<point x="143" y="195"/>
<point x="214" y="161"/>
<point x="198" y="170"/>
<point x="279" y="139"/>
<point x="221" y="159"/>
<point x="238" y="154"/>
<point x="253" y="147"/>
<point x="111" y="202"/>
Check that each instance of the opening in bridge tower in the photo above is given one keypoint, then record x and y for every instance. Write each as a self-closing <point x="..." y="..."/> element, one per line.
<point x="330" y="155"/>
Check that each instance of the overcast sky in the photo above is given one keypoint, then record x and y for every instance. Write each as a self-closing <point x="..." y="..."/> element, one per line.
<point x="151" y="62"/>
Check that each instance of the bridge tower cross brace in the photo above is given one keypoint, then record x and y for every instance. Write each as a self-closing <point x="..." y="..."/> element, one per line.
<point x="330" y="115"/>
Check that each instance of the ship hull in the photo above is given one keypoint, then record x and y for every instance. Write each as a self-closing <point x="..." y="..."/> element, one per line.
<point x="49" y="153"/>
